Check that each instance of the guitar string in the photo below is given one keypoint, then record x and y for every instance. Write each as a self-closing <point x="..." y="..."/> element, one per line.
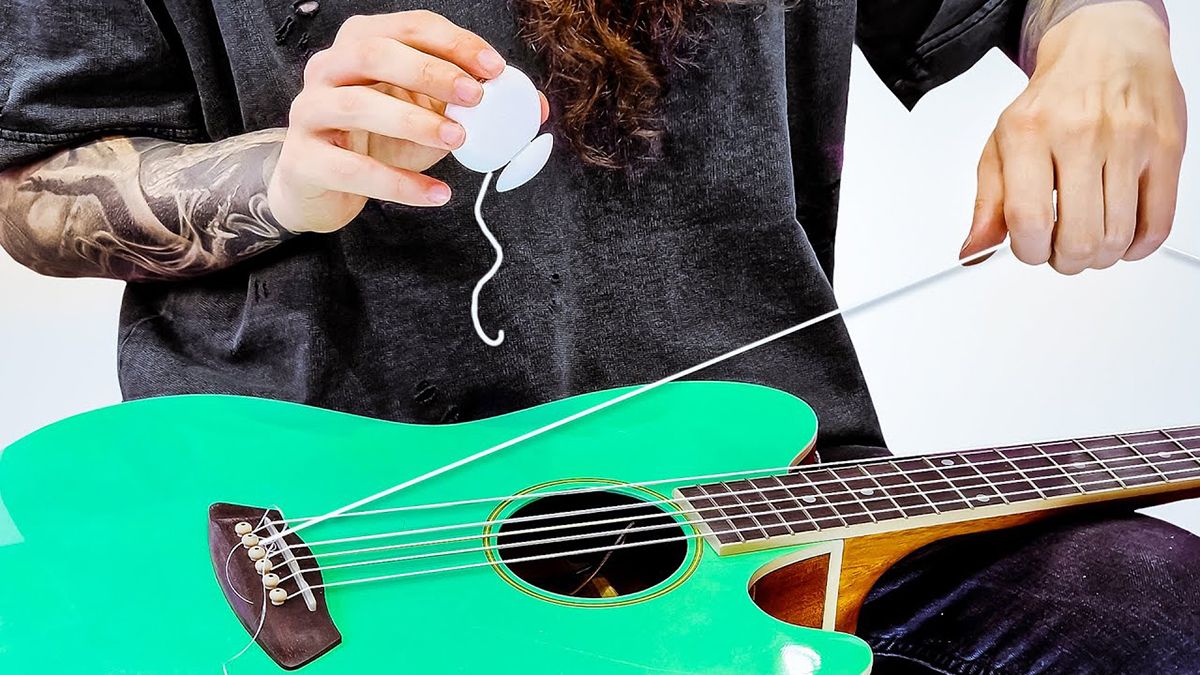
<point x="900" y="290"/>
<point x="1003" y="496"/>
<point x="730" y="474"/>
<point x="238" y="545"/>
<point x="902" y="472"/>
<point x="813" y="504"/>
<point x="809" y="519"/>
<point x="638" y="391"/>
<point x="984" y="501"/>
<point x="565" y="554"/>
<point x="961" y="264"/>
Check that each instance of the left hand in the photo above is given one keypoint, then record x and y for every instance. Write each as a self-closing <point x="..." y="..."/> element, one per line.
<point x="1103" y="121"/>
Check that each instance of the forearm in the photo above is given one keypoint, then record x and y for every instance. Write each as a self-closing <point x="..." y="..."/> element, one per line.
<point x="1042" y="15"/>
<point x="142" y="208"/>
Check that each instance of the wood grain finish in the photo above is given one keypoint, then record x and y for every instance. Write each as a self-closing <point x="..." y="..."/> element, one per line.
<point x="796" y="593"/>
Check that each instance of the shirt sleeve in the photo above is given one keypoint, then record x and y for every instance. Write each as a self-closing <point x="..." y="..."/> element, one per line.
<point x="916" y="45"/>
<point x="73" y="71"/>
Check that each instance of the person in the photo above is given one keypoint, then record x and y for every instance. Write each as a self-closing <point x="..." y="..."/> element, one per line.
<point x="266" y="175"/>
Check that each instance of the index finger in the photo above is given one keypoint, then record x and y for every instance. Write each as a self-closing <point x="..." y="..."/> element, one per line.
<point x="431" y="33"/>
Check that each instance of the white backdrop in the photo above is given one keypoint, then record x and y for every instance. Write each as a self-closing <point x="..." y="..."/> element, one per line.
<point x="1002" y="353"/>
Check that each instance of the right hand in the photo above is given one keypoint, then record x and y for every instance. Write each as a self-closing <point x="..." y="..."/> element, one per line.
<point x="370" y="118"/>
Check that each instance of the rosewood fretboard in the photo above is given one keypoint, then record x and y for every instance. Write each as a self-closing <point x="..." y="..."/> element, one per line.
<point x="874" y="495"/>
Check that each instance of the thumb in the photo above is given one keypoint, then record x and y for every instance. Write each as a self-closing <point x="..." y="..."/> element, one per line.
<point x="987" y="225"/>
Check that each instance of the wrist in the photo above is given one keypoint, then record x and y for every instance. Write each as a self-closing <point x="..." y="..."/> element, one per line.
<point x="1041" y="16"/>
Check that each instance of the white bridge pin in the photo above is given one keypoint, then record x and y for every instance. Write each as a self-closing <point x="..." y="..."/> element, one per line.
<point x="249" y="540"/>
<point x="270" y="580"/>
<point x="278" y="596"/>
<point x="263" y="566"/>
<point x="243" y="528"/>
<point x="257" y="553"/>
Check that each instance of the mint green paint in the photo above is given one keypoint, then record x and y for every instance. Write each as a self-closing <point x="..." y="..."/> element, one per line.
<point x="112" y="574"/>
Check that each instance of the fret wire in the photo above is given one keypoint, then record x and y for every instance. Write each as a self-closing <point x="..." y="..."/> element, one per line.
<point x="855" y="498"/>
<point x="1091" y="454"/>
<point x="774" y="511"/>
<point x="758" y="517"/>
<point x="748" y="513"/>
<point x="820" y="499"/>
<point x="885" y="492"/>
<point x="804" y="513"/>
<point x="987" y="481"/>
<point x="950" y="482"/>
<point x="733" y="527"/>
<point x="1179" y="444"/>
<point x="1021" y="471"/>
<point x="920" y="491"/>
<point x="1143" y="457"/>
<point x="1069" y="476"/>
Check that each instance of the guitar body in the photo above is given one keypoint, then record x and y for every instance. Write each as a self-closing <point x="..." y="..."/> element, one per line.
<point x="106" y="568"/>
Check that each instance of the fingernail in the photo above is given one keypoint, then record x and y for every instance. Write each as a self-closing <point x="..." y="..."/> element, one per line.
<point x="438" y="194"/>
<point x="491" y="61"/>
<point x="452" y="134"/>
<point x="468" y="91"/>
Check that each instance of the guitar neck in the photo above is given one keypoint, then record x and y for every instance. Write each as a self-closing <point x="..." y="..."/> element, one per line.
<point x="852" y="499"/>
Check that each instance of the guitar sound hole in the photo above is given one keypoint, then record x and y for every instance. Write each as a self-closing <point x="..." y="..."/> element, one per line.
<point x="575" y="567"/>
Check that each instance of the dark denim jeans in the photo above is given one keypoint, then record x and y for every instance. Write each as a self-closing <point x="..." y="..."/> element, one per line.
<point x="1118" y="594"/>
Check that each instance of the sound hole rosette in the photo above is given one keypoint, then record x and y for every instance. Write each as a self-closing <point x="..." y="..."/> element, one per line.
<point x="688" y="538"/>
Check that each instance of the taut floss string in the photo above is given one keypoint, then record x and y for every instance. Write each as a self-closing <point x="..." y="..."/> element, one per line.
<point x="501" y="130"/>
<point x="820" y="318"/>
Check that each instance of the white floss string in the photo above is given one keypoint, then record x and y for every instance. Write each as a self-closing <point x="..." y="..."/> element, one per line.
<point x="957" y="266"/>
<point x="262" y="617"/>
<point x="493" y="342"/>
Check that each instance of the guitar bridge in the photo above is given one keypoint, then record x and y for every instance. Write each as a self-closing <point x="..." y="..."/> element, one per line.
<point x="293" y="633"/>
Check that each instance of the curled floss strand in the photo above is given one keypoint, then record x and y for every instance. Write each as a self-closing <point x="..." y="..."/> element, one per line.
<point x="493" y="342"/>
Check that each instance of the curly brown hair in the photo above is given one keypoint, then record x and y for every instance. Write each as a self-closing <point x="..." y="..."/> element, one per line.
<point x="608" y="62"/>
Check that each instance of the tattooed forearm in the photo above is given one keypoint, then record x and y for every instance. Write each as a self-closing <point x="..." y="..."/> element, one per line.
<point x="1042" y="15"/>
<point x="142" y="208"/>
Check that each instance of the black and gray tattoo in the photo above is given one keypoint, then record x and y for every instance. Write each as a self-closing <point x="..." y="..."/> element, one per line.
<point x="142" y="209"/>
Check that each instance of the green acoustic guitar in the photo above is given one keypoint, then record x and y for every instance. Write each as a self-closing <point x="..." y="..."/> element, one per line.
<point x="667" y="534"/>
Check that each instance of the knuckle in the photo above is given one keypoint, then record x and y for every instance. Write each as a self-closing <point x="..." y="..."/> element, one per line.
<point x="460" y="44"/>
<point x="346" y="103"/>
<point x="362" y="55"/>
<point x="300" y="113"/>
<point x="344" y="165"/>
<point x="1172" y="141"/>
<point x="421" y="15"/>
<point x="1027" y="255"/>
<point x="354" y="25"/>
<point x="428" y="73"/>
<point x="1116" y="244"/>
<point x="412" y="22"/>
<point x="1064" y="268"/>
<point x="317" y="66"/>
<point x="1155" y="238"/>
<point x="1027" y="219"/>
<point x="1021" y="121"/>
<point x="1078" y="248"/>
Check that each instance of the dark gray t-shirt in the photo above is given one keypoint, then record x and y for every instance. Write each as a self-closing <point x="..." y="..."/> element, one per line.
<point x="610" y="278"/>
